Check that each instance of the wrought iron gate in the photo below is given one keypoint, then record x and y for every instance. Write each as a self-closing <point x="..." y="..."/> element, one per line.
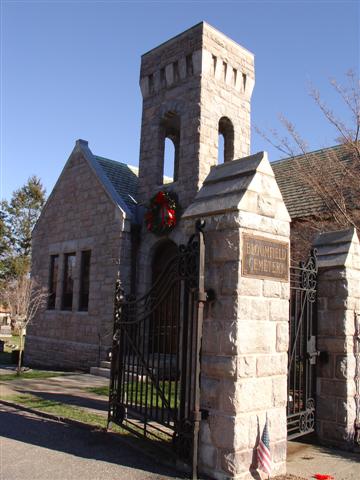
<point x="302" y="348"/>
<point x="155" y="367"/>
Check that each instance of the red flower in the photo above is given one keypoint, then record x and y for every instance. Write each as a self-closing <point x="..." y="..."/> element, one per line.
<point x="320" y="476"/>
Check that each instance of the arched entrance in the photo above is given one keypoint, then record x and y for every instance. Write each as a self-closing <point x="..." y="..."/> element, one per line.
<point x="164" y="322"/>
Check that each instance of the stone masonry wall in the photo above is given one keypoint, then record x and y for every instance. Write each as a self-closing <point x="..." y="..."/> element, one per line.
<point x="78" y="216"/>
<point x="245" y="334"/>
<point x="338" y="303"/>
<point x="244" y="359"/>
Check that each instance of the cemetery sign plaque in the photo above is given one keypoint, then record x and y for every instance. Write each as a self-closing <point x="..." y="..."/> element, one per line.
<point x="265" y="258"/>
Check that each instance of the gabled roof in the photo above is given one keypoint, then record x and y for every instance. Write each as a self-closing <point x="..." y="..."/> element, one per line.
<point x="118" y="179"/>
<point x="300" y="198"/>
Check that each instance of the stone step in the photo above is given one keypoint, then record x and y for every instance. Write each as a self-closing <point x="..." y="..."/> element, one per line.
<point x="105" y="364"/>
<point x="100" y="372"/>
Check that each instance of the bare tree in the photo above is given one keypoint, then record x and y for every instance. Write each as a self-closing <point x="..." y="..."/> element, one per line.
<point x="334" y="179"/>
<point x="24" y="297"/>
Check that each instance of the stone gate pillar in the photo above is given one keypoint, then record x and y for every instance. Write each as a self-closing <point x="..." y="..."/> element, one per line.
<point x="338" y="305"/>
<point x="245" y="334"/>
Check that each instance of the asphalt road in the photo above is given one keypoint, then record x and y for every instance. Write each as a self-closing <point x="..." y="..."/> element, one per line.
<point x="34" y="448"/>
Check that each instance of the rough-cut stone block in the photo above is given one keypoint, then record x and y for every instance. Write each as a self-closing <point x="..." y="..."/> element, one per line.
<point x="267" y="365"/>
<point x="326" y="408"/>
<point x="255" y="393"/>
<point x="225" y="308"/>
<point x="337" y="388"/>
<point x="251" y="308"/>
<point x="257" y="337"/>
<point x="250" y="287"/>
<point x="223" y="432"/>
<point x="208" y="456"/>
<point x="272" y="289"/>
<point x="279" y="309"/>
<point x="282" y="337"/>
<point x="279" y="391"/>
<point x="210" y="392"/>
<point x="219" y="366"/>
<point x="246" y="365"/>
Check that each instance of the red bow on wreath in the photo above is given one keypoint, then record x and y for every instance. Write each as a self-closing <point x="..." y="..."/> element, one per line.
<point x="161" y="216"/>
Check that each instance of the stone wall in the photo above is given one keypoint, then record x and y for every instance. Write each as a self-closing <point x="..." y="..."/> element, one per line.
<point x="79" y="215"/>
<point x="245" y="335"/>
<point x="338" y="303"/>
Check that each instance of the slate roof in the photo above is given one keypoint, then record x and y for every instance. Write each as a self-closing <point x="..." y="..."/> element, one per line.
<point x="124" y="178"/>
<point x="299" y="197"/>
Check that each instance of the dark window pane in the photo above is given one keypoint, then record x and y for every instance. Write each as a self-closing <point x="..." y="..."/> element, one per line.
<point x="68" y="285"/>
<point x="54" y="267"/>
<point x="85" y="280"/>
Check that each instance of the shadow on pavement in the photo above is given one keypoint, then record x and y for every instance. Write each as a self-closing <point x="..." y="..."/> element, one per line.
<point x="69" y="399"/>
<point x="89" y="444"/>
<point x="311" y="440"/>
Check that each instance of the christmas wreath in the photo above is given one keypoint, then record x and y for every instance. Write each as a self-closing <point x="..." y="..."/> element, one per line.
<point x="162" y="212"/>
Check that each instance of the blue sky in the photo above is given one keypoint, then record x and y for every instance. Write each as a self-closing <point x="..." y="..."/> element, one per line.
<point x="70" y="69"/>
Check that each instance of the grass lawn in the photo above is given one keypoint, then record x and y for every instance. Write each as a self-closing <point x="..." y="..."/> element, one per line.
<point x="59" y="409"/>
<point x="137" y="396"/>
<point x="30" y="374"/>
<point x="5" y="356"/>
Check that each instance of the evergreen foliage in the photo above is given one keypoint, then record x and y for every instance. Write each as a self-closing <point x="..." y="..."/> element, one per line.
<point x="17" y="220"/>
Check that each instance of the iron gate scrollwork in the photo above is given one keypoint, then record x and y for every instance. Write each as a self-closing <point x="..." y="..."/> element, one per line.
<point x="302" y="348"/>
<point x="155" y="365"/>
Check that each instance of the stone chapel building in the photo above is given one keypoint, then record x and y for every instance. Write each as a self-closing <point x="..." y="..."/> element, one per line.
<point x="194" y="86"/>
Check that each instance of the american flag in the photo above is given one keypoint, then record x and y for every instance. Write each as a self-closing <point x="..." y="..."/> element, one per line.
<point x="263" y="452"/>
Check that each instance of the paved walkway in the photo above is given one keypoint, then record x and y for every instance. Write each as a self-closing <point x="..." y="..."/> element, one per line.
<point x="34" y="448"/>
<point x="69" y="389"/>
<point x="97" y="455"/>
<point x="305" y="460"/>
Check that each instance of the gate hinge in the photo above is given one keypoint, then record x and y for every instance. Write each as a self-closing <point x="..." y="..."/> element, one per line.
<point x="202" y="297"/>
<point x="196" y="416"/>
<point x="312" y="353"/>
<point x="206" y="296"/>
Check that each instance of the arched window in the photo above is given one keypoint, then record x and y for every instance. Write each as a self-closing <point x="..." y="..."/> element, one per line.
<point x="170" y="145"/>
<point x="226" y="140"/>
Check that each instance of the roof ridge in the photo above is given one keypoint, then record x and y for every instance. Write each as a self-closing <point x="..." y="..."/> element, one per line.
<point x="99" y="157"/>
<point x="324" y="149"/>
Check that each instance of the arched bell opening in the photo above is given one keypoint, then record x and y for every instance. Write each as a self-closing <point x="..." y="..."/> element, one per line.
<point x="226" y="140"/>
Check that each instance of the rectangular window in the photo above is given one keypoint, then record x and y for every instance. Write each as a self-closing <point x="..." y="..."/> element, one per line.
<point x="176" y="71"/>
<point x="162" y="77"/>
<point x="224" y="70"/>
<point x="214" y="59"/>
<point x="244" y="81"/>
<point x="54" y="268"/>
<point x="234" y="76"/>
<point x="189" y="65"/>
<point x="151" y="83"/>
<point x="85" y="280"/>
<point x="68" y="281"/>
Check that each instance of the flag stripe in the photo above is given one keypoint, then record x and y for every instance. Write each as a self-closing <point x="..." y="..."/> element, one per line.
<point x="263" y="451"/>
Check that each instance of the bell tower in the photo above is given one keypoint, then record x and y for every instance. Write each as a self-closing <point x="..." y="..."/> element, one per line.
<point x="196" y="88"/>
